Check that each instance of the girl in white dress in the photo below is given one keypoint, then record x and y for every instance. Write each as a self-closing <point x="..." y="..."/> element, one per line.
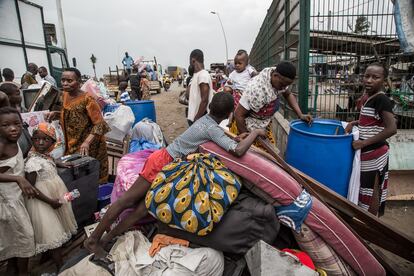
<point x="16" y="231"/>
<point x="53" y="222"/>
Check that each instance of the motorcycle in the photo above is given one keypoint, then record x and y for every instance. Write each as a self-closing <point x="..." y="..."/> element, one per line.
<point x="167" y="84"/>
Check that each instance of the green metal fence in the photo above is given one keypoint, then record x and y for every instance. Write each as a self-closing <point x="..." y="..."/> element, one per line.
<point x="331" y="43"/>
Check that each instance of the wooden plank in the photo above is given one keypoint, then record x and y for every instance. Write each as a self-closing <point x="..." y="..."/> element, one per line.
<point x="269" y="147"/>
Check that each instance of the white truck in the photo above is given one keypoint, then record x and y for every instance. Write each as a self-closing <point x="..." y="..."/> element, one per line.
<point x="23" y="40"/>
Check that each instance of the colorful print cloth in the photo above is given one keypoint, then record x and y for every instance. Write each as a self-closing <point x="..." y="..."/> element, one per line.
<point x="193" y="194"/>
<point x="294" y="214"/>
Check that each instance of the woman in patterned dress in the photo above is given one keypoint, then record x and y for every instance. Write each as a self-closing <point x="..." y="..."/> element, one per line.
<point x="82" y="122"/>
<point x="260" y="101"/>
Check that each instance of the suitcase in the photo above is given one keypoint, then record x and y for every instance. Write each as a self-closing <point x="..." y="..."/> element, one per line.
<point x="83" y="175"/>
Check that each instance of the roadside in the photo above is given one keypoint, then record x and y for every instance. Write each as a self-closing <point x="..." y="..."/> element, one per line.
<point x="170" y="113"/>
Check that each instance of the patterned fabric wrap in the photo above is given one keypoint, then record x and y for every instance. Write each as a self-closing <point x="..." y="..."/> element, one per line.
<point x="294" y="214"/>
<point x="193" y="194"/>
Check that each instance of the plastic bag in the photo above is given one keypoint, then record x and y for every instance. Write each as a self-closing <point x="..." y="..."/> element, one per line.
<point x="148" y="130"/>
<point x="120" y="121"/>
<point x="60" y="145"/>
<point x="182" y="99"/>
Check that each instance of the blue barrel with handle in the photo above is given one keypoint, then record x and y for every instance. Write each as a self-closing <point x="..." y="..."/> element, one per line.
<point x="323" y="151"/>
<point x="142" y="109"/>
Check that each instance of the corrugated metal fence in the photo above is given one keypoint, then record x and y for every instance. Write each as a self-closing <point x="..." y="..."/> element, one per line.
<point x="331" y="43"/>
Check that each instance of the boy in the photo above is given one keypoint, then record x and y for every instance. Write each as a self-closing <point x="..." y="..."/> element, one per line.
<point x="205" y="129"/>
<point x="124" y="95"/>
<point x="201" y="90"/>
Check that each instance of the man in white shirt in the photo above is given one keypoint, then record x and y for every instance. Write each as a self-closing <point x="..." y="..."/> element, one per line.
<point x="44" y="74"/>
<point x="201" y="89"/>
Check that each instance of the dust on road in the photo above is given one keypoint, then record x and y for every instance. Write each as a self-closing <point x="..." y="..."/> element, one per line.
<point x="170" y="113"/>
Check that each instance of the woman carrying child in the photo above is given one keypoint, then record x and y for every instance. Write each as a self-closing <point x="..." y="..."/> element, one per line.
<point x="16" y="231"/>
<point x="53" y="221"/>
<point x="376" y="124"/>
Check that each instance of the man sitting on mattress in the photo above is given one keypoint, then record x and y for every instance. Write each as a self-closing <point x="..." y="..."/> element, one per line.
<point x="203" y="130"/>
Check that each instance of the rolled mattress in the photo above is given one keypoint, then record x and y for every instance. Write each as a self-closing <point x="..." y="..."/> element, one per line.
<point x="281" y="186"/>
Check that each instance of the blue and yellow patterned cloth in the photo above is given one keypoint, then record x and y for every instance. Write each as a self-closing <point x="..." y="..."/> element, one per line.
<point x="192" y="194"/>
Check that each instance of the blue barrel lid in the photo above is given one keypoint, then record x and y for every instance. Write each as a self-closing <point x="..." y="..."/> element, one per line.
<point x="294" y="125"/>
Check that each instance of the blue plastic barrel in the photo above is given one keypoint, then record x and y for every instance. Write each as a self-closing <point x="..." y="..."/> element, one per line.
<point x="142" y="109"/>
<point x="104" y="195"/>
<point x="318" y="152"/>
<point x="110" y="108"/>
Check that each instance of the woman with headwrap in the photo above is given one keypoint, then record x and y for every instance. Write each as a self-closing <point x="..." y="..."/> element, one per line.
<point x="260" y="100"/>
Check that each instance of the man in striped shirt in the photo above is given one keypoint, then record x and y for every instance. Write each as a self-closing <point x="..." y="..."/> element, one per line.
<point x="203" y="130"/>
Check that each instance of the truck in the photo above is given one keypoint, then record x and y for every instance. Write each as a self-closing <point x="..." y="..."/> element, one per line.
<point x="24" y="39"/>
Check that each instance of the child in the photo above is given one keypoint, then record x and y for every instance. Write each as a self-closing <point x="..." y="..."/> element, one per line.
<point x="16" y="231"/>
<point x="145" y="86"/>
<point x="124" y="95"/>
<point x="239" y="78"/>
<point x="45" y="209"/>
<point x="13" y="92"/>
<point x="376" y="123"/>
<point x="205" y="129"/>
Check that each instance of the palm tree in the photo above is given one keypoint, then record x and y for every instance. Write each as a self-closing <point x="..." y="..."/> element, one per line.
<point x="93" y="60"/>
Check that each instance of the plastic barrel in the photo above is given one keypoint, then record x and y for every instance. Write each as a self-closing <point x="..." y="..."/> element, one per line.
<point x="104" y="195"/>
<point x="142" y="109"/>
<point x="320" y="153"/>
<point x="110" y="108"/>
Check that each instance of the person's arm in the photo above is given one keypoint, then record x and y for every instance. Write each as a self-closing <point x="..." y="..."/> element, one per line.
<point x="100" y="127"/>
<point x="244" y="145"/>
<point x="291" y="99"/>
<point x="202" y="108"/>
<point x="350" y="125"/>
<point x="24" y="185"/>
<point x="240" y="116"/>
<point x="390" y="128"/>
<point x="54" y="203"/>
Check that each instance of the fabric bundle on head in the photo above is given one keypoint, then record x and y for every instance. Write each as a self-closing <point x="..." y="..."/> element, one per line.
<point x="46" y="129"/>
<point x="286" y="69"/>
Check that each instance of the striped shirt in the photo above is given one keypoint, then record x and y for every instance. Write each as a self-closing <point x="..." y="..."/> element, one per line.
<point x="124" y="96"/>
<point x="203" y="130"/>
<point x="370" y="118"/>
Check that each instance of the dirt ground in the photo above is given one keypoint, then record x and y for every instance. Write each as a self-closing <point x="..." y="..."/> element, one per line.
<point x="170" y="113"/>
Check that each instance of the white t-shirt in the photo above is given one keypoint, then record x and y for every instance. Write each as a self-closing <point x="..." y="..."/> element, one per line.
<point x="195" y="97"/>
<point x="241" y="79"/>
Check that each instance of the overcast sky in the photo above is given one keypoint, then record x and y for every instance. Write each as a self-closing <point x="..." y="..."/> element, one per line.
<point x="168" y="30"/>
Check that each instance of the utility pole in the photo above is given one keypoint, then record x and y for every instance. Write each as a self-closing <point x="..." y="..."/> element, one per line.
<point x="224" y="34"/>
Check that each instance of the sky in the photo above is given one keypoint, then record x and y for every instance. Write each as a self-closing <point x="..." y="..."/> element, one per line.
<point x="168" y="30"/>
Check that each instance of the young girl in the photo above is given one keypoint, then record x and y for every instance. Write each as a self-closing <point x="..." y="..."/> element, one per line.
<point x="16" y="231"/>
<point x="53" y="222"/>
<point x="376" y="123"/>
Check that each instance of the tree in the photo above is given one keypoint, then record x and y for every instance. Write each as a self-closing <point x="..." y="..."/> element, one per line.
<point x="362" y="25"/>
<point x="93" y="60"/>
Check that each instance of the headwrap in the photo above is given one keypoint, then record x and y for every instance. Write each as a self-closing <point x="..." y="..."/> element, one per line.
<point x="48" y="130"/>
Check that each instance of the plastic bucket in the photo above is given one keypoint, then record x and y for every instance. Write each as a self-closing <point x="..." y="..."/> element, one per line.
<point x="320" y="153"/>
<point x="104" y="195"/>
<point x="142" y="109"/>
